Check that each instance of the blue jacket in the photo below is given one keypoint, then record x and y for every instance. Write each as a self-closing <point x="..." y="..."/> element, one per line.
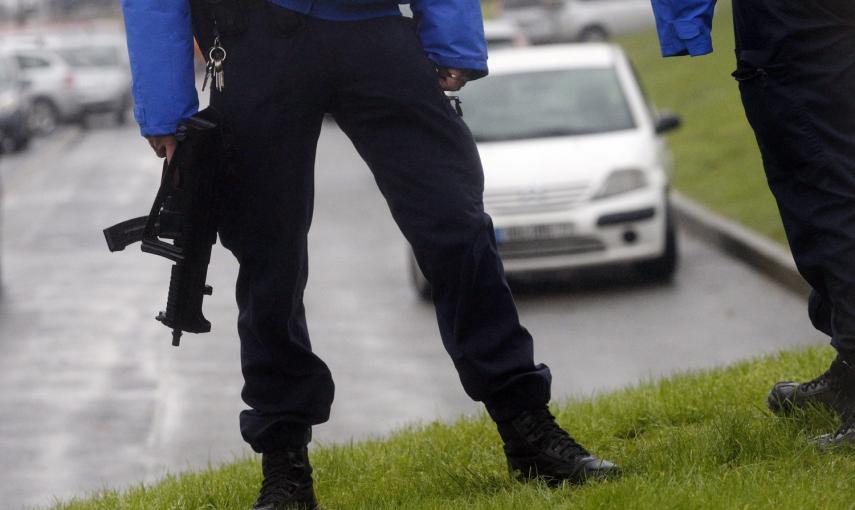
<point x="684" y="26"/>
<point x="160" y="45"/>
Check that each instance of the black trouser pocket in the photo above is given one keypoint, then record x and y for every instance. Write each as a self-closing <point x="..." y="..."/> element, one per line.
<point x="284" y="22"/>
<point x="228" y="16"/>
<point x="217" y="17"/>
<point x="745" y="72"/>
<point x="774" y="101"/>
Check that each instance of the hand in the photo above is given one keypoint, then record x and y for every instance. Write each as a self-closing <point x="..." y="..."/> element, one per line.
<point x="451" y="79"/>
<point x="164" y="146"/>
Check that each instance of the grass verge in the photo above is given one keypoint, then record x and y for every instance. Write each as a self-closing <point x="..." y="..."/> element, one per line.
<point x="701" y="440"/>
<point x="717" y="159"/>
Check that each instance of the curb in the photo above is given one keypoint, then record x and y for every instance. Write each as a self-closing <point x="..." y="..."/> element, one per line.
<point x="761" y="253"/>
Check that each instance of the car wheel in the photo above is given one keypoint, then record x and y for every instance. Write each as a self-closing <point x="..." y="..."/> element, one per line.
<point x="593" y="34"/>
<point x="663" y="267"/>
<point x="84" y="121"/>
<point x="122" y="117"/>
<point x="20" y="143"/>
<point x="44" y="117"/>
<point x="122" y="113"/>
<point x="419" y="281"/>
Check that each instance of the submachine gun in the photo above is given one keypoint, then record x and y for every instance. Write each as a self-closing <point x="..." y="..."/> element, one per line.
<point x="185" y="211"/>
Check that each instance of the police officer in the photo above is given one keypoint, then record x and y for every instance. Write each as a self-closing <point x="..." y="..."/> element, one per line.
<point x="796" y="74"/>
<point x="277" y="67"/>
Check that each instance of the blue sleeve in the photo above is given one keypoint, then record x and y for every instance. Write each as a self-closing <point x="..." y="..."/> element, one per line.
<point x="684" y="26"/>
<point x="160" y="47"/>
<point x="452" y="33"/>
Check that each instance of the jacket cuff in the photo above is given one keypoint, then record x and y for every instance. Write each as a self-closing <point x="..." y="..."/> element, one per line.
<point x="694" y="35"/>
<point x="477" y="68"/>
<point x="159" y="129"/>
<point x="162" y="125"/>
<point x="674" y="50"/>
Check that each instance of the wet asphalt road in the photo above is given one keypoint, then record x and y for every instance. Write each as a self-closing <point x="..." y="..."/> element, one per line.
<point x="92" y="394"/>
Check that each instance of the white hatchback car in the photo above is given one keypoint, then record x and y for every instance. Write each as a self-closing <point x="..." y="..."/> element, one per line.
<point x="575" y="164"/>
<point x="73" y="76"/>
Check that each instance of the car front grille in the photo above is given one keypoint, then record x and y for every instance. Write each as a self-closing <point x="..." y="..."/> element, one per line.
<point x="534" y="200"/>
<point x="548" y="247"/>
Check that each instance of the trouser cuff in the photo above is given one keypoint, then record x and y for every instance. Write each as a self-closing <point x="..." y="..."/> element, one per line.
<point x="281" y="436"/>
<point x="527" y="392"/>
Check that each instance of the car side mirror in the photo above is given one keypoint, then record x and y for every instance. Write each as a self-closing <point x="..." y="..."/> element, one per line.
<point x="667" y="121"/>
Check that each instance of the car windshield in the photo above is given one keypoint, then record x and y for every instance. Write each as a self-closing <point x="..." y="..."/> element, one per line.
<point x="546" y="103"/>
<point x="90" y="56"/>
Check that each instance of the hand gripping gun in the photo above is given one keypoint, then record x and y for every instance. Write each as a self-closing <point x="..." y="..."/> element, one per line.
<point x="184" y="211"/>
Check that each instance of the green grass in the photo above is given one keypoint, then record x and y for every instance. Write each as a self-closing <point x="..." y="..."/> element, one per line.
<point x="716" y="156"/>
<point x="694" y="441"/>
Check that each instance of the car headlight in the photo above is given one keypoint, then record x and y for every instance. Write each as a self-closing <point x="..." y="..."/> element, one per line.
<point x="622" y="181"/>
<point x="8" y="102"/>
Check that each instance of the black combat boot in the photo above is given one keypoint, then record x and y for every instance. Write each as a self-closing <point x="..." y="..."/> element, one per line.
<point x="287" y="481"/>
<point x="834" y="389"/>
<point x="536" y="447"/>
<point x="844" y="436"/>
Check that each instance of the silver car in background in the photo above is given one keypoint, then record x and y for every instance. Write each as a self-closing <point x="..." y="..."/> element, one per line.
<point x="546" y="21"/>
<point x="73" y="77"/>
<point x="503" y="33"/>
<point x="15" y="130"/>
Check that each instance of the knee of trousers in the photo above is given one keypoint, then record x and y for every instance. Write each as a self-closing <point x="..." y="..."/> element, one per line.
<point x="449" y="247"/>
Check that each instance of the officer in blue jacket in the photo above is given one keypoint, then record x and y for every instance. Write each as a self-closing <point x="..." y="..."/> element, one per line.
<point x="275" y="69"/>
<point x="796" y="74"/>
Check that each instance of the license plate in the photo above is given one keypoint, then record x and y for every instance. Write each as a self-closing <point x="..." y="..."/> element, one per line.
<point x="534" y="232"/>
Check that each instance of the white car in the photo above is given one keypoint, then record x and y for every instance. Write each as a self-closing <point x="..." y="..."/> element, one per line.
<point x="575" y="164"/>
<point x="72" y="77"/>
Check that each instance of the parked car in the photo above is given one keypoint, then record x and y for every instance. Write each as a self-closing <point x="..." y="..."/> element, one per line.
<point x="74" y="78"/>
<point x="503" y="33"/>
<point x="545" y="21"/>
<point x="1" y="237"/>
<point x="15" y="130"/>
<point x="575" y="164"/>
<point x="533" y="17"/>
<point x="598" y="20"/>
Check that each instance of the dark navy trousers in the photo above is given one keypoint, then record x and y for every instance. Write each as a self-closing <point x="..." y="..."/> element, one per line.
<point x="796" y="73"/>
<point x="283" y="73"/>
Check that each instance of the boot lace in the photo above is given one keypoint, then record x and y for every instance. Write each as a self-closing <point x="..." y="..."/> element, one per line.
<point x="824" y="379"/>
<point x="542" y="430"/>
<point x="283" y="471"/>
